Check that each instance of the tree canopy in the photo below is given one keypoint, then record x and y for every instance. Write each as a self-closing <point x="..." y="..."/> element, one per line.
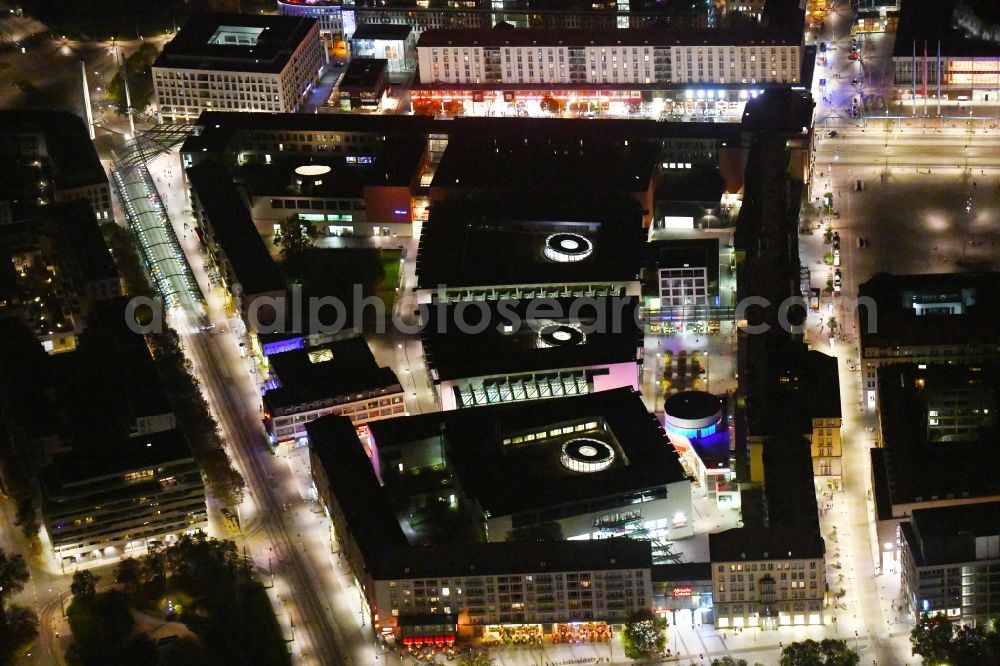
<point x="828" y="652"/>
<point x="939" y="641"/>
<point x="644" y="635"/>
<point x="138" y="68"/>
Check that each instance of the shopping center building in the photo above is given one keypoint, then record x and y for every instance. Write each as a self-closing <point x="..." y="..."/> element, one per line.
<point x="436" y="514"/>
<point x="532" y="351"/>
<point x="687" y="174"/>
<point x="339" y="19"/>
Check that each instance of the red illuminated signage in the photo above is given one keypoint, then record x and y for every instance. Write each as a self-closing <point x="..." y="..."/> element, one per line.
<point x="682" y="592"/>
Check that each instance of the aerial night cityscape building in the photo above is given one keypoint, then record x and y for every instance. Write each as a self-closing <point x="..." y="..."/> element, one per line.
<point x="500" y="332"/>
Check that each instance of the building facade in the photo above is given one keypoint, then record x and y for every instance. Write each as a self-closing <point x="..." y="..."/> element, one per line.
<point x="128" y="509"/>
<point x="951" y="563"/>
<point x="769" y="592"/>
<point x="237" y="62"/>
<point x="339" y="377"/>
<point x="609" y="57"/>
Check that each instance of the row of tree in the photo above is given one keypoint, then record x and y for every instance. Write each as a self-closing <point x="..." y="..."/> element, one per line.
<point x="175" y="370"/>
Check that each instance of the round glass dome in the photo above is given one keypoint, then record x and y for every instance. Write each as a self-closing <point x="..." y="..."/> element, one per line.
<point x="586" y="455"/>
<point x="567" y="247"/>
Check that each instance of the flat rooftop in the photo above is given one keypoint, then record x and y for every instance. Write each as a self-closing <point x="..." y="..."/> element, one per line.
<point x="549" y="164"/>
<point x="507" y="242"/>
<point x="235" y="42"/>
<point x="591" y="339"/>
<point x="387" y="554"/>
<point x="948" y="534"/>
<point x="964" y="468"/>
<point x="216" y="130"/>
<point x="509" y="457"/>
<point x="383" y="31"/>
<point x="70" y="152"/>
<point x="937" y="309"/>
<point x="114" y="456"/>
<point x="335" y="369"/>
<point x="363" y="73"/>
<point x="393" y="163"/>
<point x="233" y="228"/>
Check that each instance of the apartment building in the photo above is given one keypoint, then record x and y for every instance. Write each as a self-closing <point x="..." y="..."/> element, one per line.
<point x="340" y="377"/>
<point x="115" y="473"/>
<point x="124" y="497"/>
<point x="951" y="563"/>
<point x="522" y="583"/>
<point x="61" y="268"/>
<point x="237" y="62"/>
<point x="47" y="157"/>
<point x="634" y="57"/>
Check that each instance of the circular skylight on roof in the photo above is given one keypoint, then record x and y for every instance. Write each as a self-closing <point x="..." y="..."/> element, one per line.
<point x="560" y="335"/>
<point x="312" y="170"/>
<point x="567" y="247"/>
<point x="586" y="455"/>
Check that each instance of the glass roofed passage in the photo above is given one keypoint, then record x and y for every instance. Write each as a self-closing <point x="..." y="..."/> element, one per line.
<point x="157" y="242"/>
<point x="525" y="387"/>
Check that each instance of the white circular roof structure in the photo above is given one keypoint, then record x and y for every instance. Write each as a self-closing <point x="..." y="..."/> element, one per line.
<point x="586" y="455"/>
<point x="554" y="334"/>
<point x="567" y="247"/>
<point x="312" y="170"/>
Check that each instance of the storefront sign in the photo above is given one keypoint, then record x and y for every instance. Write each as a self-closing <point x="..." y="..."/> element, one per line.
<point x="682" y="592"/>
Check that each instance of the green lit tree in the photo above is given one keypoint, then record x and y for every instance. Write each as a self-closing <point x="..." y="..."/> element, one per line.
<point x="294" y="237"/>
<point x="644" y="635"/>
<point x="828" y="652"/>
